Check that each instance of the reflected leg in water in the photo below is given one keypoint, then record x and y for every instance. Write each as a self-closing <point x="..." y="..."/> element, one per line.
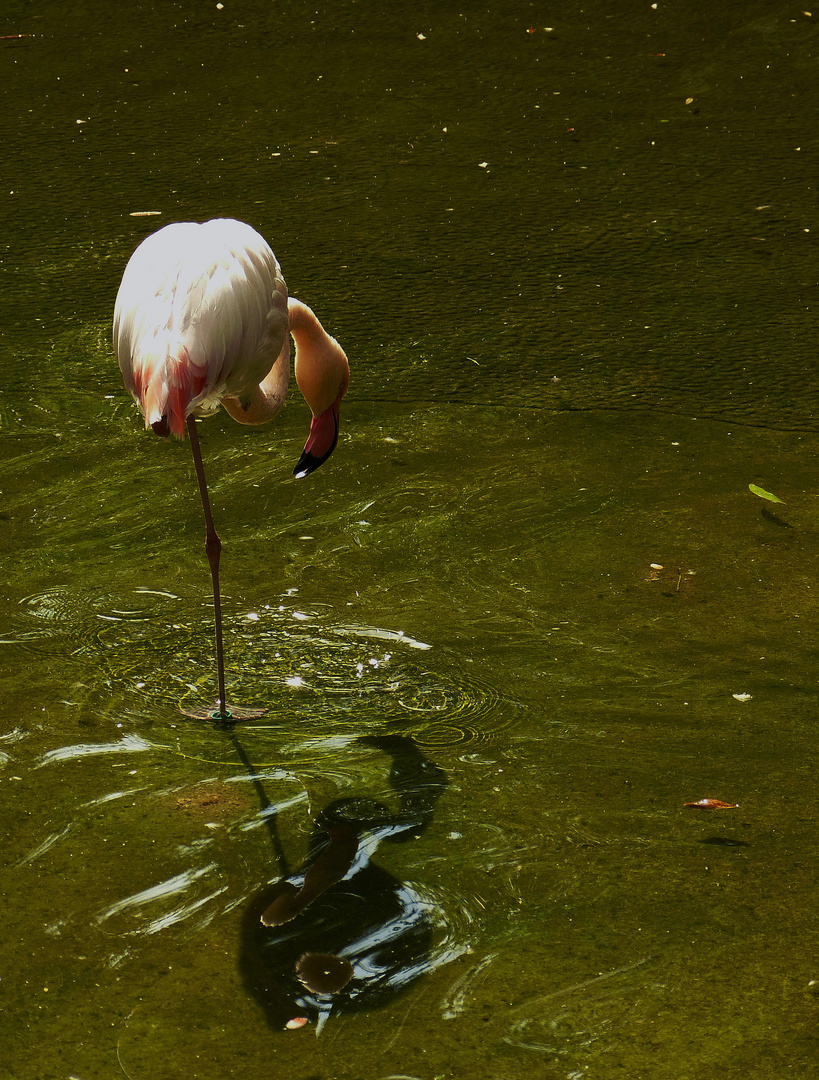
<point x="341" y="933"/>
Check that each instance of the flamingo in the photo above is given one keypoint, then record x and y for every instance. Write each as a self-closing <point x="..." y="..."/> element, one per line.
<point x="202" y="319"/>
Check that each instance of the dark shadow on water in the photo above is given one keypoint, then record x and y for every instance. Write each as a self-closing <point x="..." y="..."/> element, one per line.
<point x="340" y="933"/>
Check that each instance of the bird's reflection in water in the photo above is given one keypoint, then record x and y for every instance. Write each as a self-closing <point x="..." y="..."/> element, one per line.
<point x="341" y="933"/>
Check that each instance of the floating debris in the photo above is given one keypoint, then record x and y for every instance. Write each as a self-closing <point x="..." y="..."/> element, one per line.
<point x="712" y="804"/>
<point x="763" y="494"/>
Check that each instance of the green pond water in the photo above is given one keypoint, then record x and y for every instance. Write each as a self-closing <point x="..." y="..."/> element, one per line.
<point x="528" y="610"/>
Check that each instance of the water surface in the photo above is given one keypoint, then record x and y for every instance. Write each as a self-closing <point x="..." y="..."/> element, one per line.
<point x="570" y="253"/>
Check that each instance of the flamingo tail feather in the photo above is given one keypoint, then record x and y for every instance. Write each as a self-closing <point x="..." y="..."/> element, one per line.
<point x="166" y="387"/>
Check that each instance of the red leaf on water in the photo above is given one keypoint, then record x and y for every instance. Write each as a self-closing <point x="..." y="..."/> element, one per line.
<point x="712" y="804"/>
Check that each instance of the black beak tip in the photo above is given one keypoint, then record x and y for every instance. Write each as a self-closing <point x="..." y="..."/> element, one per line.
<point x="306" y="464"/>
<point x="309" y="462"/>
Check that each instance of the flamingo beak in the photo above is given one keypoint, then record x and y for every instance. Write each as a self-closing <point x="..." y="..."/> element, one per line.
<point x="321" y="442"/>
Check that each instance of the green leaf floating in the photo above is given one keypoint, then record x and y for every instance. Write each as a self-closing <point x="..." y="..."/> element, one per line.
<point x="763" y="494"/>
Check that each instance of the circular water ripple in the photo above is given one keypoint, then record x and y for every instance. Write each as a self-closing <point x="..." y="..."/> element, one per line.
<point x="151" y="650"/>
<point x="369" y="677"/>
<point x="53" y="619"/>
<point x="439" y="712"/>
<point x="71" y="620"/>
<point x="342" y="679"/>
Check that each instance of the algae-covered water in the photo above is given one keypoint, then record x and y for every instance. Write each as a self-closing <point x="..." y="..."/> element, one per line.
<point x="528" y="610"/>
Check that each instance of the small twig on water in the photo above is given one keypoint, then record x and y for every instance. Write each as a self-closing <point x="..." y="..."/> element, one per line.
<point x="119" y="1061"/>
<point x="541" y="998"/>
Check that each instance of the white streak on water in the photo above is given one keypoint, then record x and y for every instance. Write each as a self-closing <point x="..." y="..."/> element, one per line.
<point x="127" y="744"/>
<point x="169" y="887"/>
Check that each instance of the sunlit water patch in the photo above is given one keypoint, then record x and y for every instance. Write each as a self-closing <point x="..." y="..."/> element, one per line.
<point x="61" y="619"/>
<point x="149" y="651"/>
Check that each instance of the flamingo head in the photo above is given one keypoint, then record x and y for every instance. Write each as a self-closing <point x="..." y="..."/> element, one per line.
<point x="322" y="440"/>
<point x="323" y="375"/>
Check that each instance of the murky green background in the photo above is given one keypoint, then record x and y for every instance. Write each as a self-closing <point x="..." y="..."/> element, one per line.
<point x="580" y="310"/>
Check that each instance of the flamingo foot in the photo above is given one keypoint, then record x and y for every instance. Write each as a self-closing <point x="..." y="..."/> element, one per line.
<point x="227" y="717"/>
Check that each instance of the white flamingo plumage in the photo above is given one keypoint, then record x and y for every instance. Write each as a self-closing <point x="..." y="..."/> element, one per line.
<point x="202" y="318"/>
